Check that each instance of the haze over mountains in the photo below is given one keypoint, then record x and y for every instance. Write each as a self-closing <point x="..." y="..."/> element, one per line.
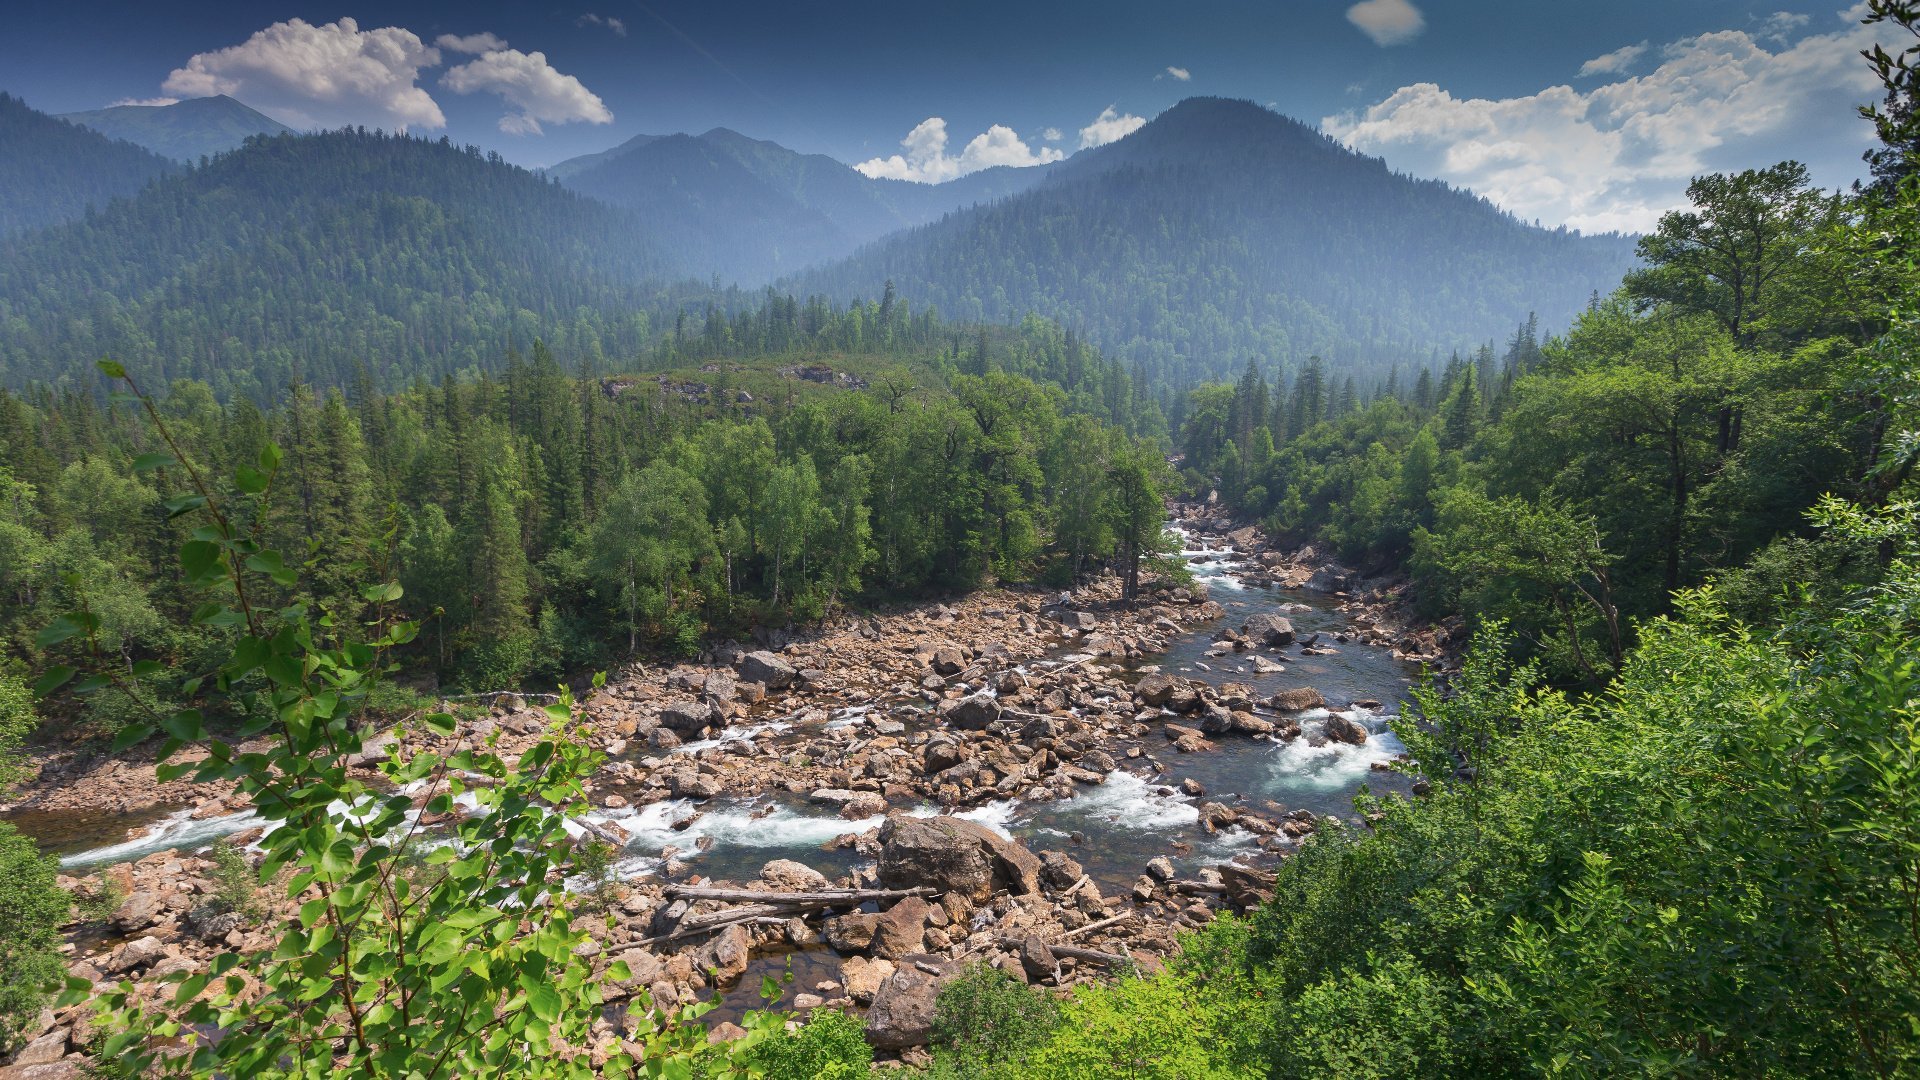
<point x="1216" y="233"/>
<point x="185" y="130"/>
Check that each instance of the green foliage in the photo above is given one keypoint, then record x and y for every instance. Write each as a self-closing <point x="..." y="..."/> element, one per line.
<point x="1162" y="1028"/>
<point x="32" y="909"/>
<point x="17" y="721"/>
<point x="470" y="970"/>
<point x="235" y="885"/>
<point x="831" y="1045"/>
<point x="986" y="1023"/>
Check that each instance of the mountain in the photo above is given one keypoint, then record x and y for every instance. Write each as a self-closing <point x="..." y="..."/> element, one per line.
<point x="299" y="257"/>
<point x="52" y="171"/>
<point x="186" y="130"/>
<point x="751" y="210"/>
<point x="1221" y="231"/>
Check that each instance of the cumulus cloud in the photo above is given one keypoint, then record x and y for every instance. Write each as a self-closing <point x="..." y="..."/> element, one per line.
<point x="1387" y="22"/>
<point x="926" y="158"/>
<point x="537" y="92"/>
<point x="1780" y="26"/>
<point x="1615" y="62"/>
<point x="1619" y="155"/>
<point x="321" y="76"/>
<point x="471" y="44"/>
<point x="1108" y="127"/>
<point x="618" y="26"/>
<point x="1180" y="73"/>
<point x="1053" y="134"/>
<point x="147" y="101"/>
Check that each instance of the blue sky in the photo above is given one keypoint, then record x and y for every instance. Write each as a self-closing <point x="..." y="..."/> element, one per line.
<point x="1589" y="114"/>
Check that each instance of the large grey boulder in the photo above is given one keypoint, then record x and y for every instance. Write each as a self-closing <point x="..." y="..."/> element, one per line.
<point x="767" y="669"/>
<point x="954" y="855"/>
<point x="976" y="712"/>
<point x="1269" y="630"/>
<point x="903" y="1010"/>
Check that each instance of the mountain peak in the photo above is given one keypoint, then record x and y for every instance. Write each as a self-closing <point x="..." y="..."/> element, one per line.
<point x="185" y="130"/>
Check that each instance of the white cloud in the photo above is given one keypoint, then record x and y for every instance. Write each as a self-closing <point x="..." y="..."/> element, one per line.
<point x="1108" y="127"/>
<point x="1780" y="26"/>
<point x="1387" y="22"/>
<point x="1180" y="73"/>
<point x="472" y="44"/>
<point x="532" y="86"/>
<point x="618" y="26"/>
<point x="1615" y="62"/>
<point x="926" y="158"/>
<point x="147" y="101"/>
<point x="1053" y="134"/>
<point x="1621" y="154"/>
<point x="321" y="76"/>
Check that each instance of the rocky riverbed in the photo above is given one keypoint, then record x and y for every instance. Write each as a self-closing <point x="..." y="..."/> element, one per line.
<point x="1050" y="783"/>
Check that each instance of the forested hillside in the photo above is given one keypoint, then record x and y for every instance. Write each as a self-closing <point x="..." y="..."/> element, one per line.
<point x="53" y="171"/>
<point x="297" y="257"/>
<point x="185" y="130"/>
<point x="1221" y="232"/>
<point x="750" y="210"/>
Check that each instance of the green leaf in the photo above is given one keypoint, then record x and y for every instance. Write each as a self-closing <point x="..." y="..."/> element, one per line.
<point x="338" y="858"/>
<point x="184" y="504"/>
<point x="440" y="723"/>
<point x="542" y="1000"/>
<point x="146" y="463"/>
<point x="132" y="735"/>
<point x="64" y="627"/>
<point x="201" y="560"/>
<point x="250" y="480"/>
<point x="53" y="679"/>
<point x="111" y="369"/>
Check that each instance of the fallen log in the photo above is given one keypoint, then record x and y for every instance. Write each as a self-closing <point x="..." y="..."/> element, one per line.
<point x="812" y="898"/>
<point x="1094" y="927"/>
<point x="1090" y="955"/>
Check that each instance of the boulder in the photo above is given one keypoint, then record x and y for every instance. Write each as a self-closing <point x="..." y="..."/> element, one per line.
<point x="973" y="713"/>
<point x="944" y="754"/>
<point x="768" y="670"/>
<point x="1160" y="868"/>
<point x="862" y="977"/>
<point x="1272" y="631"/>
<point x="726" y="954"/>
<point x="901" y="930"/>
<point x="948" y="660"/>
<point x="687" y="717"/>
<point x="1298" y="699"/>
<point x="135" y="954"/>
<point x="903" y="1009"/>
<point x="954" y="855"/>
<point x="1037" y="959"/>
<point x="864" y="805"/>
<point x="852" y="933"/>
<point x="1154" y="689"/>
<point x="1343" y="728"/>
<point x="44" y="1050"/>
<point x="790" y="876"/>
<point x="139" y="911"/>
<point x="1058" y="870"/>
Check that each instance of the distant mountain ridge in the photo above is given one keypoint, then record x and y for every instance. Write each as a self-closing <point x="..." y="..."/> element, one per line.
<point x="1221" y="232"/>
<point x="185" y="130"/>
<point x="52" y="171"/>
<point x="300" y="257"/>
<point x="751" y="210"/>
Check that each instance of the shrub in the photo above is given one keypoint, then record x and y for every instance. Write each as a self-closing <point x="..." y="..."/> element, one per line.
<point x="986" y="1021"/>
<point x="32" y="908"/>
<point x="1159" y="1028"/>
<point x="830" y="1046"/>
<point x="235" y="885"/>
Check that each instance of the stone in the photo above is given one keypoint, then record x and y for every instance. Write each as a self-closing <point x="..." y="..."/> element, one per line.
<point x="139" y="911"/>
<point x="1154" y="690"/>
<point x="852" y="933"/>
<point x="1298" y="699"/>
<point x="864" y="805"/>
<point x="688" y="784"/>
<point x="1037" y="959"/>
<point x="943" y="755"/>
<point x="726" y="954"/>
<point x="1058" y="870"/>
<point x="44" y="1050"/>
<point x="687" y="717"/>
<point x="901" y="930"/>
<point x="902" y="1012"/>
<point x="135" y="954"/>
<point x="1343" y="728"/>
<point x="948" y="661"/>
<point x="976" y="712"/>
<point x="1272" y="631"/>
<point x="954" y="855"/>
<point x="862" y="977"/>
<point x="768" y="670"/>
<point x="790" y="876"/>
<point x="1160" y="868"/>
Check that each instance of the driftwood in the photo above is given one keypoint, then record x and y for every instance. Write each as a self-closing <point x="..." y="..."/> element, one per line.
<point x="812" y="898"/>
<point x="1090" y="955"/>
<point x="1093" y="927"/>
